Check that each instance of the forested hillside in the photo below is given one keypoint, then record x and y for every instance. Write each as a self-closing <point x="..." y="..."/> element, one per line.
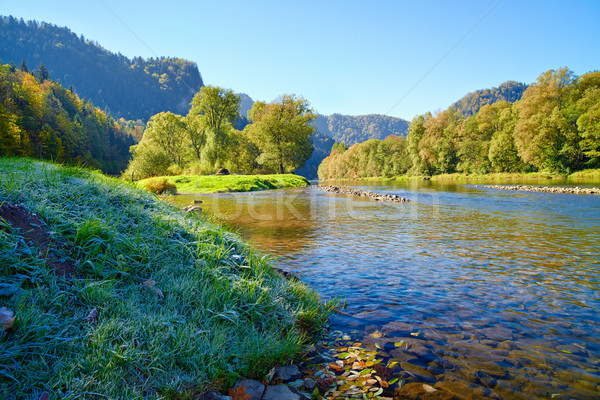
<point x="555" y="127"/>
<point x="132" y="89"/>
<point x="470" y="104"/>
<point x="41" y="119"/>
<point x="352" y="129"/>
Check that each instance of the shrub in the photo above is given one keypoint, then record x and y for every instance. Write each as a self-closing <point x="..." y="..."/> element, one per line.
<point x="159" y="185"/>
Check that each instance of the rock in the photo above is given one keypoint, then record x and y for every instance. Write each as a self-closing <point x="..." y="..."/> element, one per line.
<point x="287" y="373"/>
<point x="252" y="388"/>
<point x="417" y="371"/>
<point x="214" y="396"/>
<point x="310" y="384"/>
<point x="223" y="171"/>
<point x="282" y="392"/>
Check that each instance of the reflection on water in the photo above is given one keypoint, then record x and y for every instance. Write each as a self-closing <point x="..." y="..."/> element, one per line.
<point x="493" y="294"/>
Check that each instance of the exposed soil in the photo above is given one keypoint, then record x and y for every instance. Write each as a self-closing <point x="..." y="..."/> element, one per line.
<point x="35" y="232"/>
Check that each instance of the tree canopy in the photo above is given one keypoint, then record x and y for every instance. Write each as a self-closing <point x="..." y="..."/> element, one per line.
<point x="282" y="131"/>
<point x="554" y="127"/>
<point x="39" y="118"/>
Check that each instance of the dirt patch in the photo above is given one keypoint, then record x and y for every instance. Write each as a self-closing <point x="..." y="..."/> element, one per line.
<point x="35" y="232"/>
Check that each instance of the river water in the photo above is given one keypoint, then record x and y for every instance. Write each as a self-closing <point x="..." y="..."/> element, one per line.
<point x="492" y="293"/>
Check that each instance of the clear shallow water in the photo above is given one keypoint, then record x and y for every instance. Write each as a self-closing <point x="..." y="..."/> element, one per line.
<point x="494" y="294"/>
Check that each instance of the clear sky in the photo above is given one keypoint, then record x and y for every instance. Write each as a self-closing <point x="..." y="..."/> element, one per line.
<point x="400" y="58"/>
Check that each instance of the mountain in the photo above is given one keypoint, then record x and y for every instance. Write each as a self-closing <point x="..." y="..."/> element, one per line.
<point x="129" y="88"/>
<point x="322" y="145"/>
<point x="352" y="129"/>
<point x="510" y="91"/>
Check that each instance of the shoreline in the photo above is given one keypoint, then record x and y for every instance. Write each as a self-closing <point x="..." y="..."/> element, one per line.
<point x="544" y="189"/>
<point x="203" y="184"/>
<point x="589" y="175"/>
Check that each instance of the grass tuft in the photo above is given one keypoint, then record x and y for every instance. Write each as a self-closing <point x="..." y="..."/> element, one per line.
<point x="222" y="311"/>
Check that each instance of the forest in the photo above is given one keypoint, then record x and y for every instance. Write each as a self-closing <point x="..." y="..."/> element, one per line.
<point x="133" y="89"/>
<point x="205" y="141"/>
<point x="554" y="127"/>
<point x="510" y="91"/>
<point x="41" y="119"/>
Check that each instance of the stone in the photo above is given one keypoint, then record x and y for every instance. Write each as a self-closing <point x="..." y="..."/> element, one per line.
<point x="417" y="371"/>
<point x="214" y="396"/>
<point x="288" y="373"/>
<point x="252" y="388"/>
<point x="282" y="392"/>
<point x="310" y="385"/>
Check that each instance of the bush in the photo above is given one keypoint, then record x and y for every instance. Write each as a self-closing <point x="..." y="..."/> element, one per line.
<point x="159" y="185"/>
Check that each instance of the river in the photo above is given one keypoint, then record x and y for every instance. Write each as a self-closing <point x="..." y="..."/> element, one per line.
<point x="493" y="293"/>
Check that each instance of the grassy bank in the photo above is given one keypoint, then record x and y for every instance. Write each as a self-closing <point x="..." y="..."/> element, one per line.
<point x="579" y="176"/>
<point x="229" y="183"/>
<point x="151" y="302"/>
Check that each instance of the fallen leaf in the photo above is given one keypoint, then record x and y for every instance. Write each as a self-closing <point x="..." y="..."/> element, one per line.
<point x="7" y="318"/>
<point x="239" y="394"/>
<point x="92" y="315"/>
<point x="151" y="284"/>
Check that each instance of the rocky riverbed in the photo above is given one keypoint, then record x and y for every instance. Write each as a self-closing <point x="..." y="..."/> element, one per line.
<point x="363" y="193"/>
<point x="545" y="189"/>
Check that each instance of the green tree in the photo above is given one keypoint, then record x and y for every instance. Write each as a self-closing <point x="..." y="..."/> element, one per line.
<point x="588" y="120"/>
<point x="218" y="109"/>
<point x="282" y="130"/>
<point x="41" y="73"/>
<point x="543" y="134"/>
<point x="23" y="67"/>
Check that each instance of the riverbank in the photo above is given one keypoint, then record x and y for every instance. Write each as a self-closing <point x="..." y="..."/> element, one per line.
<point x="186" y="184"/>
<point x="117" y="294"/>
<point x="579" y="176"/>
<point x="545" y="189"/>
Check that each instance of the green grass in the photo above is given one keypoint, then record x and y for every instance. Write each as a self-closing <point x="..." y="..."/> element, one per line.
<point x="231" y="183"/>
<point x="225" y="312"/>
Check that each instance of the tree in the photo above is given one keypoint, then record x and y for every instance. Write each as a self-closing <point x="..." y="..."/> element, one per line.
<point x="23" y="67"/>
<point x="282" y="130"/>
<point x="217" y="109"/>
<point x="588" y="120"/>
<point x="41" y="73"/>
<point x="543" y="134"/>
<point x="167" y="132"/>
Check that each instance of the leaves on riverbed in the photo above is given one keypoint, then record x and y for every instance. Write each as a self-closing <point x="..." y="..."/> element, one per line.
<point x="353" y="372"/>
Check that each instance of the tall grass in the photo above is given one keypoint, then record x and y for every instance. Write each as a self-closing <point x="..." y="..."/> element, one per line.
<point x="225" y="312"/>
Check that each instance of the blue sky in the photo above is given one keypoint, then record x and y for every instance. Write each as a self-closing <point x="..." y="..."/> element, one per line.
<point x="400" y="58"/>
